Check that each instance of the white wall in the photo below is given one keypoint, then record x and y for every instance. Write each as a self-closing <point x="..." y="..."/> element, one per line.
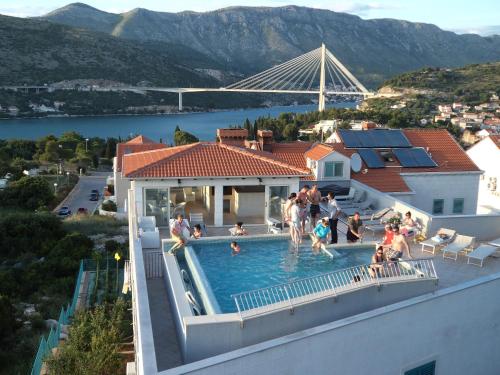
<point x="458" y="327"/>
<point x="333" y="156"/>
<point x="249" y="204"/>
<point x="447" y="186"/>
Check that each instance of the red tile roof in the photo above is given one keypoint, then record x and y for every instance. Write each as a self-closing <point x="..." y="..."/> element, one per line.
<point x="496" y="139"/>
<point x="292" y="153"/>
<point x="129" y="148"/>
<point x="387" y="180"/>
<point x="140" y="140"/>
<point x="206" y="160"/>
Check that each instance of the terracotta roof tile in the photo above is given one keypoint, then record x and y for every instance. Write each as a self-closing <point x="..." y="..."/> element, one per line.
<point x="140" y="140"/>
<point x="496" y="139"/>
<point x="292" y="153"/>
<point x="387" y="180"/>
<point x="322" y="149"/>
<point x="206" y="160"/>
<point x="130" y="148"/>
<point x="236" y="132"/>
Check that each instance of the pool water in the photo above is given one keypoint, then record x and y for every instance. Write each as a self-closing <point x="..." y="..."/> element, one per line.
<point x="263" y="263"/>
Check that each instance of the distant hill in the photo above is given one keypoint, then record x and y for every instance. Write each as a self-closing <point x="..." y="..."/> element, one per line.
<point x="249" y="39"/>
<point x="478" y="78"/>
<point x="35" y="52"/>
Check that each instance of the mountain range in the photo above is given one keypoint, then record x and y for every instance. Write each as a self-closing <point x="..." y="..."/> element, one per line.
<point x="216" y="47"/>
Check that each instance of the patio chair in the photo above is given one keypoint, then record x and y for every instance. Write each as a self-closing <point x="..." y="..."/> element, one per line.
<point x="147" y="223"/>
<point x="433" y="244"/>
<point x="480" y="254"/>
<point x="197" y="218"/>
<point x="364" y="208"/>
<point x="359" y="198"/>
<point x="349" y="196"/>
<point x="460" y="243"/>
<point x="495" y="242"/>
<point x="376" y="215"/>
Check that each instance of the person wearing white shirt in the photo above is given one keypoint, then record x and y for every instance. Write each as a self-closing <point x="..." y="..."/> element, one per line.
<point x="295" y="219"/>
<point x="333" y="216"/>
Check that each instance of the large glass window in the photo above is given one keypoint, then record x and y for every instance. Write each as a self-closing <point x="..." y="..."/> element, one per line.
<point x="277" y="198"/>
<point x="157" y="205"/>
<point x="458" y="206"/>
<point x="333" y="169"/>
<point x="438" y="206"/>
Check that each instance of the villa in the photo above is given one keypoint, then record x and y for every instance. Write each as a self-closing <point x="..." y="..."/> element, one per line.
<point x="275" y="310"/>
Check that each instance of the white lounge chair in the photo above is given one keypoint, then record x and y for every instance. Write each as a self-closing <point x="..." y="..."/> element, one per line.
<point x="150" y="239"/>
<point x="480" y="254"/>
<point x="495" y="242"/>
<point x="349" y="196"/>
<point x="434" y="245"/>
<point x="363" y="208"/>
<point x="460" y="243"/>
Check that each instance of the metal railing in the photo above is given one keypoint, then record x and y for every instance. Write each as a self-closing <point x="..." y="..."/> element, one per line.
<point x="52" y="340"/>
<point x="287" y="296"/>
<point x="153" y="264"/>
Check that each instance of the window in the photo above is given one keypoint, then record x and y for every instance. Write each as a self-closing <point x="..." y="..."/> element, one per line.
<point x="438" y="207"/>
<point x="458" y="206"/>
<point x="334" y="169"/>
<point x="427" y="369"/>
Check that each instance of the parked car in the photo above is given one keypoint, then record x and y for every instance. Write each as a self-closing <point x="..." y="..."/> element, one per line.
<point x="64" y="211"/>
<point x="94" y="197"/>
<point x="82" y="211"/>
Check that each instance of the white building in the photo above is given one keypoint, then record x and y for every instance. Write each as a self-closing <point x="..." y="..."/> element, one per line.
<point x="486" y="154"/>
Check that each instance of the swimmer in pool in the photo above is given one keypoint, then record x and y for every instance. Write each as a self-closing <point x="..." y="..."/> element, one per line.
<point x="235" y="248"/>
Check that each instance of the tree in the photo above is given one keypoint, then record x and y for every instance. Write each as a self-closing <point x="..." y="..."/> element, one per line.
<point x="51" y="153"/>
<point x="290" y="132"/>
<point x="183" y="138"/>
<point x="248" y="126"/>
<point x="28" y="192"/>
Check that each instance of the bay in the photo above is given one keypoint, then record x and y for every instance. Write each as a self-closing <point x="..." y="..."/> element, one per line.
<point x="201" y="124"/>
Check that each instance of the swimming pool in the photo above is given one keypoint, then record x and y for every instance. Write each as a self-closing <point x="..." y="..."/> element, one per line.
<point x="266" y="262"/>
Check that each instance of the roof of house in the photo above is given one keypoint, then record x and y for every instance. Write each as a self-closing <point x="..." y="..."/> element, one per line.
<point x="140" y="140"/>
<point x="292" y="153"/>
<point x="320" y="150"/>
<point x="206" y="159"/>
<point x="496" y="139"/>
<point x="138" y="144"/>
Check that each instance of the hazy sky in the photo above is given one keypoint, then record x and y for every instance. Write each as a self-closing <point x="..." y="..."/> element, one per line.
<point x="479" y="16"/>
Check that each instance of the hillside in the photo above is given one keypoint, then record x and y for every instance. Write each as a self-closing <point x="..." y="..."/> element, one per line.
<point x="36" y="52"/>
<point x="249" y="39"/>
<point x="470" y="78"/>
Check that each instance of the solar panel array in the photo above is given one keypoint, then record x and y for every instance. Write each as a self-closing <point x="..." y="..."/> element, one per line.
<point x="374" y="138"/>
<point x="371" y="158"/>
<point x="415" y="157"/>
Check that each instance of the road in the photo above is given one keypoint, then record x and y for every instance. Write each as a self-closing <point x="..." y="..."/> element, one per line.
<point x="79" y="196"/>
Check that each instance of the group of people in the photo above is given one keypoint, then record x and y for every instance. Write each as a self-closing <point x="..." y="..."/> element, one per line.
<point x="324" y="230"/>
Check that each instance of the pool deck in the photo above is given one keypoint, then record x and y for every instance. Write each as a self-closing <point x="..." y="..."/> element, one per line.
<point x="450" y="273"/>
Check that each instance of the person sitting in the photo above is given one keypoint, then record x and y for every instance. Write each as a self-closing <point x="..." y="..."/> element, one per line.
<point x="320" y="233"/>
<point x="388" y="236"/>
<point x="376" y="268"/>
<point x="197" y="233"/>
<point x="179" y="232"/>
<point x="409" y="225"/>
<point x="239" y="230"/>
<point x="354" y="225"/>
<point x="235" y="248"/>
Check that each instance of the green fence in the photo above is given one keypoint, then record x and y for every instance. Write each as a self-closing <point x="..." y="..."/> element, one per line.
<point x="109" y="269"/>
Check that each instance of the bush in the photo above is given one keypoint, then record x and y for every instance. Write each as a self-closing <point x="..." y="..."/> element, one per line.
<point x="28" y="192"/>
<point x="93" y="342"/>
<point x="109" y="206"/>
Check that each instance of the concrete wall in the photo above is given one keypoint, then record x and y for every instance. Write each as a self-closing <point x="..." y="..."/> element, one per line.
<point x="334" y="156"/>
<point x="230" y="335"/>
<point x="447" y="186"/>
<point x="121" y="190"/>
<point x="458" y="327"/>
<point x="483" y="227"/>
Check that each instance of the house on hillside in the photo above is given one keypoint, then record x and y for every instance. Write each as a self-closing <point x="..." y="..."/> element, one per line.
<point x="486" y="154"/>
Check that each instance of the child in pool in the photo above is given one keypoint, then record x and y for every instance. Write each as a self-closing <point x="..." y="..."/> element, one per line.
<point x="235" y="248"/>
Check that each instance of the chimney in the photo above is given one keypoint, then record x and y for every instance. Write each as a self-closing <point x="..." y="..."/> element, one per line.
<point x="232" y="137"/>
<point x="265" y="139"/>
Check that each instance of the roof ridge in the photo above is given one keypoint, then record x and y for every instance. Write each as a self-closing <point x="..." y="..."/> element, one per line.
<point x="254" y="153"/>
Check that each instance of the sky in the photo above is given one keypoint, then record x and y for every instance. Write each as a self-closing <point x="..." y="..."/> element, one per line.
<point x="463" y="16"/>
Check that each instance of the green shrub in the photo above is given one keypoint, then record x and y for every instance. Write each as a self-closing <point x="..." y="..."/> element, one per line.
<point x="109" y="206"/>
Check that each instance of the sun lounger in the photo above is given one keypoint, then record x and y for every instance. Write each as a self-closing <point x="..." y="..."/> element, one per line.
<point x="480" y="254"/>
<point x="459" y="243"/>
<point x="495" y="242"/>
<point x="433" y="244"/>
<point x="349" y="196"/>
<point x="363" y="208"/>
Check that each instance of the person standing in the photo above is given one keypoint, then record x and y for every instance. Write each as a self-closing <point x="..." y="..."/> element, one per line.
<point x="354" y="225"/>
<point x="295" y="222"/>
<point x="314" y="197"/>
<point x="333" y="216"/>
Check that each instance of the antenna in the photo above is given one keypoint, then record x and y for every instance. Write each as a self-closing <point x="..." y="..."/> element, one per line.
<point x="355" y="162"/>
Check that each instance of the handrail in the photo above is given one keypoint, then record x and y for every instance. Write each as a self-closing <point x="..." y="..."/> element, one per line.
<point x="288" y="295"/>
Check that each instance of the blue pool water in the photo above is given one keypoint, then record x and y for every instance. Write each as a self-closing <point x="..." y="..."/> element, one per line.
<point x="263" y="263"/>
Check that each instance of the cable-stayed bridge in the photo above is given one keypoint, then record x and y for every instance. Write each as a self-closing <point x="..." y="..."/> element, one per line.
<point x="316" y="72"/>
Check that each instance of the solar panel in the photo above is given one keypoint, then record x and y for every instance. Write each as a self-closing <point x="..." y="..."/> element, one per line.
<point x="374" y="138"/>
<point x="415" y="157"/>
<point x="371" y="158"/>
